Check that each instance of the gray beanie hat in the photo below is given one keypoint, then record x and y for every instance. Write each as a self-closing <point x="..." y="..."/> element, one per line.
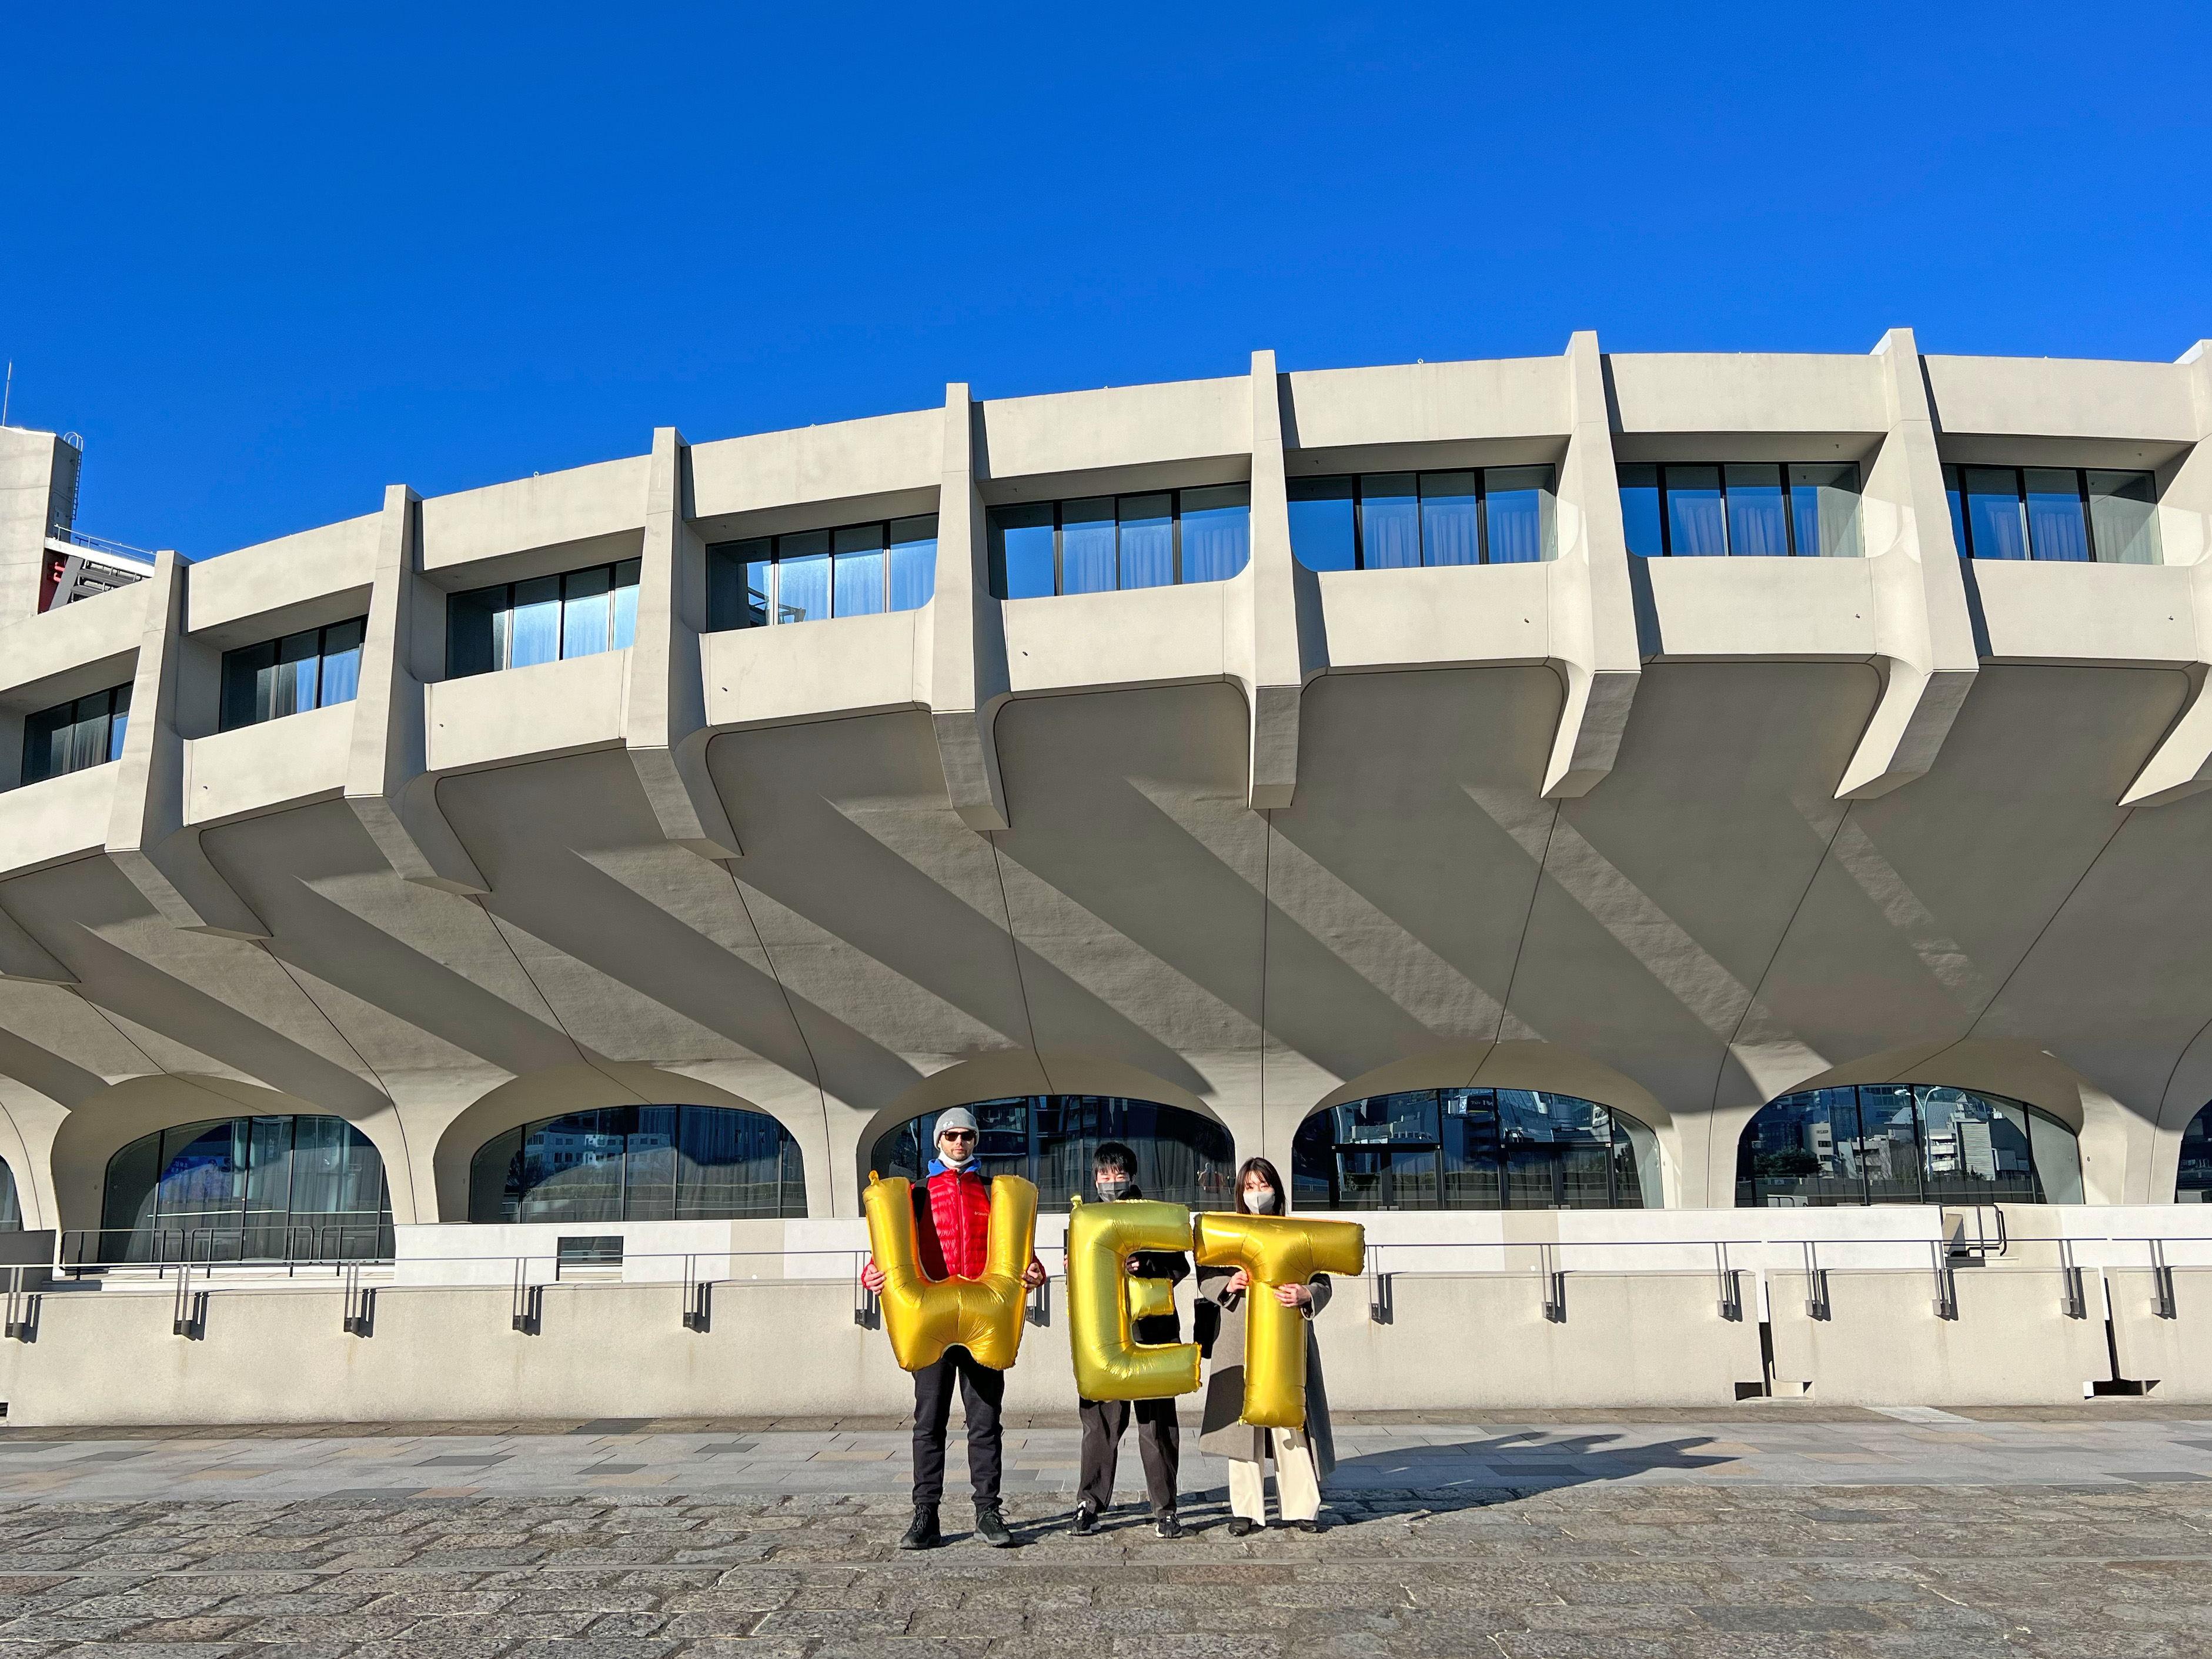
<point x="956" y="1117"/>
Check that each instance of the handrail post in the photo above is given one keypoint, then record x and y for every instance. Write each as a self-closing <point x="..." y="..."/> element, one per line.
<point x="2161" y="1275"/>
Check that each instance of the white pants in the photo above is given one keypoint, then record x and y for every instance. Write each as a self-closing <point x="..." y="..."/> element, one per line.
<point x="1298" y="1488"/>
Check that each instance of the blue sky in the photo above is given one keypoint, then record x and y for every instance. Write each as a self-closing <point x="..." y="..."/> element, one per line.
<point x="267" y="260"/>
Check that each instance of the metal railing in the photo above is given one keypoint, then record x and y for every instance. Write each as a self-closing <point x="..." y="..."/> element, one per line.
<point x="289" y="1246"/>
<point x="75" y="537"/>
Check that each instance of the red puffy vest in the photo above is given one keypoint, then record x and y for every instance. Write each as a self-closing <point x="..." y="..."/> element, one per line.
<point x="952" y="1223"/>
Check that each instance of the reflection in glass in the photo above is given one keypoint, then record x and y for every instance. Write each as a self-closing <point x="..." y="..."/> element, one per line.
<point x="858" y="585"/>
<point x="1389" y="521"/>
<point x="1021" y="552"/>
<point x="1823" y="502"/>
<point x="2056" y="528"/>
<point x="1147" y="537"/>
<point x="1897" y="1143"/>
<point x="640" y="1164"/>
<point x="586" y="612"/>
<point x="248" y="1188"/>
<point x="1996" y="524"/>
<point x="1087" y="557"/>
<point x="533" y="627"/>
<point x="2193" y="1180"/>
<point x="1473" y="1149"/>
<point x="1322" y="532"/>
<point x="2123" y="517"/>
<point x="1639" y="509"/>
<point x="1181" y="1158"/>
<point x="1450" y="531"/>
<point x="1758" y="527"/>
<point x="1516" y="510"/>
<point x="1216" y="533"/>
<point x="802" y="577"/>
<point x="913" y="576"/>
<point x="1696" y="526"/>
<point x="11" y="1209"/>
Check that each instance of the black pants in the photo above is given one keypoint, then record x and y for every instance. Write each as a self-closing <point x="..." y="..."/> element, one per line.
<point x="1159" y="1441"/>
<point x="982" y="1389"/>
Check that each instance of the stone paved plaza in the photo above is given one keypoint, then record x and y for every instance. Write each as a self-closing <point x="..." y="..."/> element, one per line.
<point x="1778" y="1532"/>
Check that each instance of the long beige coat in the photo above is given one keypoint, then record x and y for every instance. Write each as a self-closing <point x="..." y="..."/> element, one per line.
<point x="1223" y="1430"/>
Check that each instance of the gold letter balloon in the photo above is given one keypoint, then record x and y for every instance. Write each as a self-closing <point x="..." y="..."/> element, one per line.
<point x="1104" y="1302"/>
<point x="1277" y="1250"/>
<point x="923" y="1317"/>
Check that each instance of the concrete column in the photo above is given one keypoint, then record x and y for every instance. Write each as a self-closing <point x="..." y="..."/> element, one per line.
<point x="1923" y="628"/>
<point x="403" y="650"/>
<point x="34" y="466"/>
<point x="1593" y="606"/>
<point x="2182" y="763"/>
<point x="146" y="836"/>
<point x="664" y="711"/>
<point x="969" y="681"/>
<point x="1288" y="643"/>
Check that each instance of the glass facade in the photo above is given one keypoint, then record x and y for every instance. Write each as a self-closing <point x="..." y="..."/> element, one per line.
<point x="545" y="619"/>
<point x="640" y="1164"/>
<point x="248" y="1189"/>
<point x="2076" y="515"/>
<point x="1399" y="520"/>
<point x="1181" y="1158"/>
<point x="1475" y="1149"/>
<point x="1103" y="542"/>
<point x="2193" y="1183"/>
<point x="1896" y="1143"/>
<point x="861" y="570"/>
<point x="11" y="1207"/>
<point x="312" y="669"/>
<point x="1740" y="509"/>
<point x="72" y="736"/>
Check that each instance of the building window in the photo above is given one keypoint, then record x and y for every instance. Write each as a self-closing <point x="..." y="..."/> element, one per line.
<point x="310" y="669"/>
<point x="248" y="1189"/>
<point x="545" y="619"/>
<point x="2077" y="515"/>
<point x="640" y="1164"/>
<point x="72" y="736"/>
<point x="1401" y="521"/>
<point x="1741" y="509"/>
<point x="1475" y="1149"/>
<point x="11" y="1207"/>
<point x="2193" y="1184"/>
<point x="1896" y="1143"/>
<point x="1103" y="542"/>
<point x="861" y="570"/>
<point x="1048" y="1139"/>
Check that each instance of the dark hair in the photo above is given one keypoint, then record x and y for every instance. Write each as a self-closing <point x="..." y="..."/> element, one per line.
<point x="1113" y="1155"/>
<point x="1259" y="1166"/>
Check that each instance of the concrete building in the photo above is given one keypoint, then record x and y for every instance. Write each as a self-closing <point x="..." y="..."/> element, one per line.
<point x="1358" y="768"/>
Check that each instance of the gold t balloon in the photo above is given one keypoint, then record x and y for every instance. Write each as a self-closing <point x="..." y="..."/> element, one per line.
<point x="1104" y="1302"/>
<point x="924" y="1316"/>
<point x="1277" y="1250"/>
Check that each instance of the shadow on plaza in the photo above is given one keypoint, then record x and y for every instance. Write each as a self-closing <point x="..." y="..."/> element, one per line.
<point x="1497" y="1469"/>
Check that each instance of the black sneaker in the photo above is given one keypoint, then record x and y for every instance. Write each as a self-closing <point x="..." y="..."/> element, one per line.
<point x="1086" y="1522"/>
<point x="923" y="1533"/>
<point x="1168" y="1527"/>
<point x="1241" y="1526"/>
<point x="991" y="1526"/>
<point x="1307" y="1525"/>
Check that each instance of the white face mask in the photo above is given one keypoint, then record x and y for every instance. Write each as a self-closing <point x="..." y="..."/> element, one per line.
<point x="1261" y="1203"/>
<point x="953" y="1155"/>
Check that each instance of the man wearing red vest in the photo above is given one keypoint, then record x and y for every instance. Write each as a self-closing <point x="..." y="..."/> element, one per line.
<point x="951" y="1237"/>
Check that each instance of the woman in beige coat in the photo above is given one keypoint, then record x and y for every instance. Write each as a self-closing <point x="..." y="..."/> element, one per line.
<point x="1303" y="1456"/>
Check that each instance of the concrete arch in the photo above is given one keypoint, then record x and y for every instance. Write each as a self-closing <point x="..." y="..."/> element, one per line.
<point x="2114" y="1141"/>
<point x="1010" y="1072"/>
<point x="564" y="1088"/>
<point x="1522" y="1065"/>
<point x="99" y="1127"/>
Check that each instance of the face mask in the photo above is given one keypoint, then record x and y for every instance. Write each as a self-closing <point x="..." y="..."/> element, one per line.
<point x="956" y="1156"/>
<point x="1112" y="1187"/>
<point x="1261" y="1203"/>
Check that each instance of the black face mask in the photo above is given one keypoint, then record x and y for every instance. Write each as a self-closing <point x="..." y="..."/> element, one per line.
<point x="1111" y="1187"/>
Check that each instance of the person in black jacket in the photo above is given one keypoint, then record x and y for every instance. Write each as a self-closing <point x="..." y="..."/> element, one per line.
<point x="1159" y="1439"/>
